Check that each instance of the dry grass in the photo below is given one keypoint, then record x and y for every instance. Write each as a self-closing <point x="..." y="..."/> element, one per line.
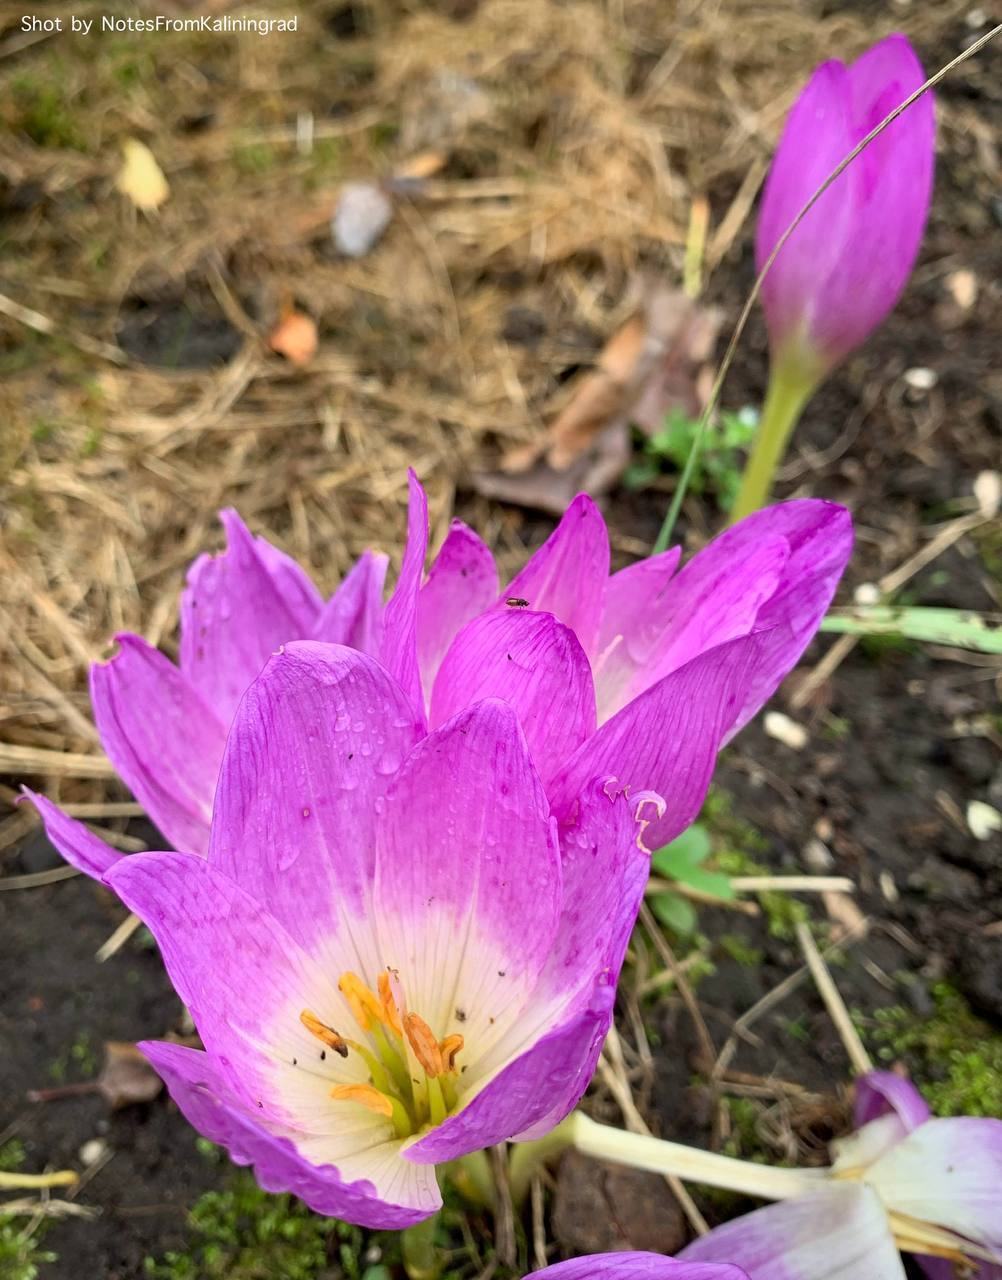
<point x="577" y="134"/>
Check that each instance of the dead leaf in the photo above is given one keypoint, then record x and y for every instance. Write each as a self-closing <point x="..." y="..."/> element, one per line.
<point x="654" y="362"/>
<point x="140" y="178"/>
<point x="126" y="1076"/>
<point x="295" y="337"/>
<point x="413" y="173"/>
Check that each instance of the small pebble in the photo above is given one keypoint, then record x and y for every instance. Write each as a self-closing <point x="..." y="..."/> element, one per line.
<point x="983" y="820"/>
<point x="823" y="828"/>
<point x="785" y="730"/>
<point x="362" y="215"/>
<point x="988" y="493"/>
<point x="867" y="593"/>
<point x="963" y="287"/>
<point x="921" y="379"/>
<point x="888" y="888"/>
<point x="93" y="1151"/>
<point x="817" y="856"/>
<point x="976" y="18"/>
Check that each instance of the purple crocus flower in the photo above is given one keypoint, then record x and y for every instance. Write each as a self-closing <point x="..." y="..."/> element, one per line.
<point x="636" y="1266"/>
<point x="391" y="956"/>
<point x="845" y="266"/>
<point x="903" y="1181"/>
<point x="641" y="675"/>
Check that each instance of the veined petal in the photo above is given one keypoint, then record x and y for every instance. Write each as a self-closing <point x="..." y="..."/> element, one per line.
<point x="468" y="890"/>
<point x="311" y="753"/>
<point x="242" y="976"/>
<point x="567" y="575"/>
<point x="538" y="1069"/>
<point x="398" y="652"/>
<point x="838" y="1233"/>
<point x="889" y="200"/>
<point x="878" y="1092"/>
<point x="236" y="610"/>
<point x="632" y="623"/>
<point x="820" y="537"/>
<point x="818" y="133"/>
<point x="407" y="1195"/>
<point x="947" y="1172"/>
<point x="79" y="846"/>
<point x="353" y="616"/>
<point x="943" y="1269"/>
<point x="462" y="582"/>
<point x="637" y="1266"/>
<point x="162" y="737"/>
<point x="667" y="739"/>
<point x="717" y="597"/>
<point x="536" y="1090"/>
<point x="534" y="663"/>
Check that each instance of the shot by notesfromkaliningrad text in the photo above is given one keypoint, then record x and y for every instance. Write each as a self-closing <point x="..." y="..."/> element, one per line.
<point x="160" y="24"/>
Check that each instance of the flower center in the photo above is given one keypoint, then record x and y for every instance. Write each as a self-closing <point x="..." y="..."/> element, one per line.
<point x="412" y="1074"/>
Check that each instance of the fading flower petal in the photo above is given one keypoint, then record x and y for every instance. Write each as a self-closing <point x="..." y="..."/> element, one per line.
<point x="353" y="616"/>
<point x="398" y="652"/>
<point x="236" y="610"/>
<point x="567" y="575"/>
<point x="462" y="582"/>
<point x="947" y="1172"/>
<point x="531" y="661"/>
<point x="637" y="1266"/>
<point x="311" y="753"/>
<point x="667" y="739"/>
<point x="878" y="1092"/>
<point x="838" y="1233"/>
<point x="162" y="737"/>
<point x="79" y="846"/>
<point x="208" y="1104"/>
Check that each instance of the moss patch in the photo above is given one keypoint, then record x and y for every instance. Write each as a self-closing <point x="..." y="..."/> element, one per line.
<point x="954" y="1057"/>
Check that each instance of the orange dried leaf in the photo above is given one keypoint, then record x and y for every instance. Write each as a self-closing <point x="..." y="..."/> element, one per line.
<point x="295" y="337"/>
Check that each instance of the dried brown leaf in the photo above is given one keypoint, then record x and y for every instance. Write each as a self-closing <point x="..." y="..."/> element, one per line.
<point x="126" y="1076"/>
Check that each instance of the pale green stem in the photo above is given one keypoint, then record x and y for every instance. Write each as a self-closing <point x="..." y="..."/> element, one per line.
<point x="656" y="1156"/>
<point x="417" y="1244"/>
<point x="471" y="1176"/>
<point x="789" y="390"/>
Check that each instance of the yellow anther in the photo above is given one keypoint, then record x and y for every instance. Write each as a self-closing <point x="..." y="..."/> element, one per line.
<point x="424" y="1044"/>
<point x="364" y="1006"/>
<point x="366" y="1095"/>
<point x="391" y="1014"/>
<point x="450" y="1047"/>
<point x="324" y="1033"/>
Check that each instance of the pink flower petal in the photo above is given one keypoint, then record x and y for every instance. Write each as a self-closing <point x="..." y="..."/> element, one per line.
<point x="311" y="753"/>
<point x="462" y="583"/>
<point x="210" y="1106"/>
<point x="534" y="663"/>
<point x="79" y="846"/>
<point x="636" y="1266"/>
<point x="398" y="653"/>
<point x="162" y="737"/>
<point x="353" y="616"/>
<point x="236" y="610"/>
<point x="837" y="1233"/>
<point x="880" y="1092"/>
<point x="567" y="575"/>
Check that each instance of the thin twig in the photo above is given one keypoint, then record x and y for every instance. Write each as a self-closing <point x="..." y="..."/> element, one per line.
<point x="834" y="1003"/>
<point x="38" y="878"/>
<point x="118" y="939"/>
<point x="42" y="324"/>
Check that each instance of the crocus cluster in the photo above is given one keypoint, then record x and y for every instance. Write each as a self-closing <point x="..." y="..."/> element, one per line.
<point x="903" y="1181"/>
<point x="405" y="879"/>
<point x="641" y="674"/>
<point x="845" y="266"/>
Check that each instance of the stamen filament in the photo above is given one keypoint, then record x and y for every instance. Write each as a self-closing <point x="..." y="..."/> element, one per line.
<point x="380" y="1076"/>
<point x="436" y="1102"/>
<point x="394" y="1062"/>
